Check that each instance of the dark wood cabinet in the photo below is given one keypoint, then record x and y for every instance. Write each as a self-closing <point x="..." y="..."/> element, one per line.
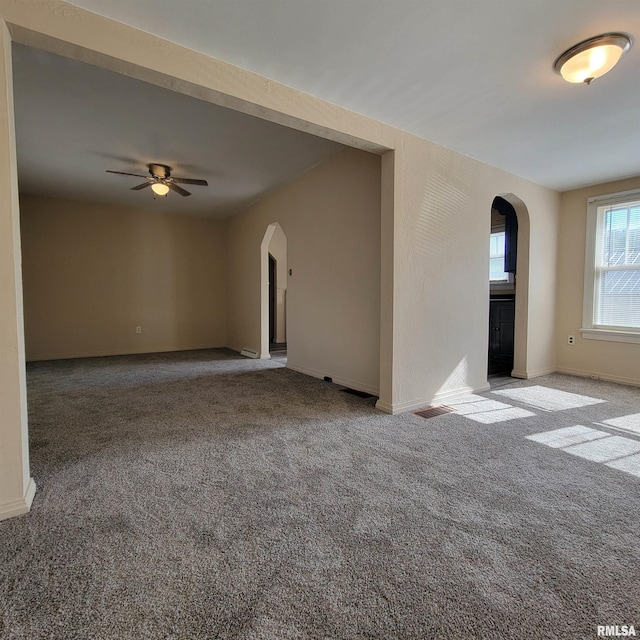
<point x="501" y="332"/>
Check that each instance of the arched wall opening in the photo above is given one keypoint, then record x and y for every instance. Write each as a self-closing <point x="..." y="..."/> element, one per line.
<point x="273" y="288"/>
<point x="502" y="274"/>
<point x="521" y="284"/>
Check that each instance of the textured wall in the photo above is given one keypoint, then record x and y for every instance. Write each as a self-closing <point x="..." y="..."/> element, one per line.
<point x="331" y="218"/>
<point x="16" y="487"/>
<point x="93" y="272"/>
<point x="619" y="361"/>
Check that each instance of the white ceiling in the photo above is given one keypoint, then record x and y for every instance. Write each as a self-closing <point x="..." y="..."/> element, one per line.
<point x="74" y="121"/>
<point x="473" y="75"/>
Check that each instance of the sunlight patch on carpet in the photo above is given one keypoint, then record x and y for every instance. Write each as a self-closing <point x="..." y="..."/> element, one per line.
<point x="630" y="464"/>
<point x="605" y="449"/>
<point x="487" y="411"/>
<point x="567" y="436"/>
<point x="598" y="446"/>
<point x="548" y="399"/>
<point x="626" y="423"/>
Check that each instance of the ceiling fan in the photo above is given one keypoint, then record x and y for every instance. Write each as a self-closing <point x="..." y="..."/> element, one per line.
<point x="161" y="181"/>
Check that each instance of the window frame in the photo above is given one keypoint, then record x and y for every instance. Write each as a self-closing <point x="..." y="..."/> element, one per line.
<point x="509" y="281"/>
<point x="588" y="329"/>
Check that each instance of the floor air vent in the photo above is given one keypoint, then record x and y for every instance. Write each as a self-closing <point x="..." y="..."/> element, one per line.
<point x="250" y="353"/>
<point x="432" y="412"/>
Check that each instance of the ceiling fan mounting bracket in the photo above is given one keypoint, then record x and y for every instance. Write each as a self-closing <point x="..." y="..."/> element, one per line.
<point x="159" y="171"/>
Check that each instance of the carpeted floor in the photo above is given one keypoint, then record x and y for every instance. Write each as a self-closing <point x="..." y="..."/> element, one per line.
<point x="202" y="495"/>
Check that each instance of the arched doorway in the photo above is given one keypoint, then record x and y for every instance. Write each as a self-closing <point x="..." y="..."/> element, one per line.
<point x="509" y="287"/>
<point x="273" y="308"/>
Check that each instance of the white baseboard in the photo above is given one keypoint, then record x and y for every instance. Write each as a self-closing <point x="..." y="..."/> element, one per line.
<point x="439" y="398"/>
<point x="344" y="382"/>
<point x="384" y="406"/>
<point x="18" y="507"/>
<point x="536" y="373"/>
<point x="594" y="375"/>
<point x="44" y="357"/>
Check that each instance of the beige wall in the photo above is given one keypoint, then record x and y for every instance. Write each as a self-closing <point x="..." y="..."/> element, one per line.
<point x="93" y="272"/>
<point x="618" y="361"/>
<point x="441" y="287"/>
<point x="331" y="219"/>
<point x="16" y="486"/>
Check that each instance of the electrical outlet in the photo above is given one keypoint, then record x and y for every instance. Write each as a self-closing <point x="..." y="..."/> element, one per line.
<point x="138" y="329"/>
<point x="571" y="339"/>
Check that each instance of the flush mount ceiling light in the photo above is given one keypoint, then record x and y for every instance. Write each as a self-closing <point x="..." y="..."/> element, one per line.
<point x="592" y="58"/>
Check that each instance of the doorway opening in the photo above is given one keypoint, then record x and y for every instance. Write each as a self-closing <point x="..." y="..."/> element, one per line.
<point x="274" y="293"/>
<point x="508" y="288"/>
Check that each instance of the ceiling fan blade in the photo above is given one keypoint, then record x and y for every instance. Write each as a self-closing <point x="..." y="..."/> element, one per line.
<point x="177" y="189"/>
<point x="202" y="183"/>
<point x="122" y="173"/>
<point x="141" y="186"/>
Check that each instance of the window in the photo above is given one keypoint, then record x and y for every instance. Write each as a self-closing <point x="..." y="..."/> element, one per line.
<point x="496" y="258"/>
<point x="612" y="268"/>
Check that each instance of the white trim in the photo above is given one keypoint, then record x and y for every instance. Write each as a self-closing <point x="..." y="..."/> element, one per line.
<point x="589" y="330"/>
<point x="611" y="335"/>
<point x="44" y="357"/>
<point x="384" y="406"/>
<point x="21" y="506"/>
<point x="536" y="373"/>
<point x="589" y="265"/>
<point x="343" y="382"/>
<point x="439" y="398"/>
<point x="526" y="375"/>
<point x="595" y="375"/>
<point x="612" y="197"/>
<point x="458" y="393"/>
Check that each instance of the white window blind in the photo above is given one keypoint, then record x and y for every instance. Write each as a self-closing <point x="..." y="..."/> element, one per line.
<point x="616" y="268"/>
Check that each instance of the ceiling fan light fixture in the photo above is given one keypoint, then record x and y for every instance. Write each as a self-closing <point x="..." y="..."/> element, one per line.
<point x="592" y="58"/>
<point x="160" y="188"/>
<point x="161" y="181"/>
